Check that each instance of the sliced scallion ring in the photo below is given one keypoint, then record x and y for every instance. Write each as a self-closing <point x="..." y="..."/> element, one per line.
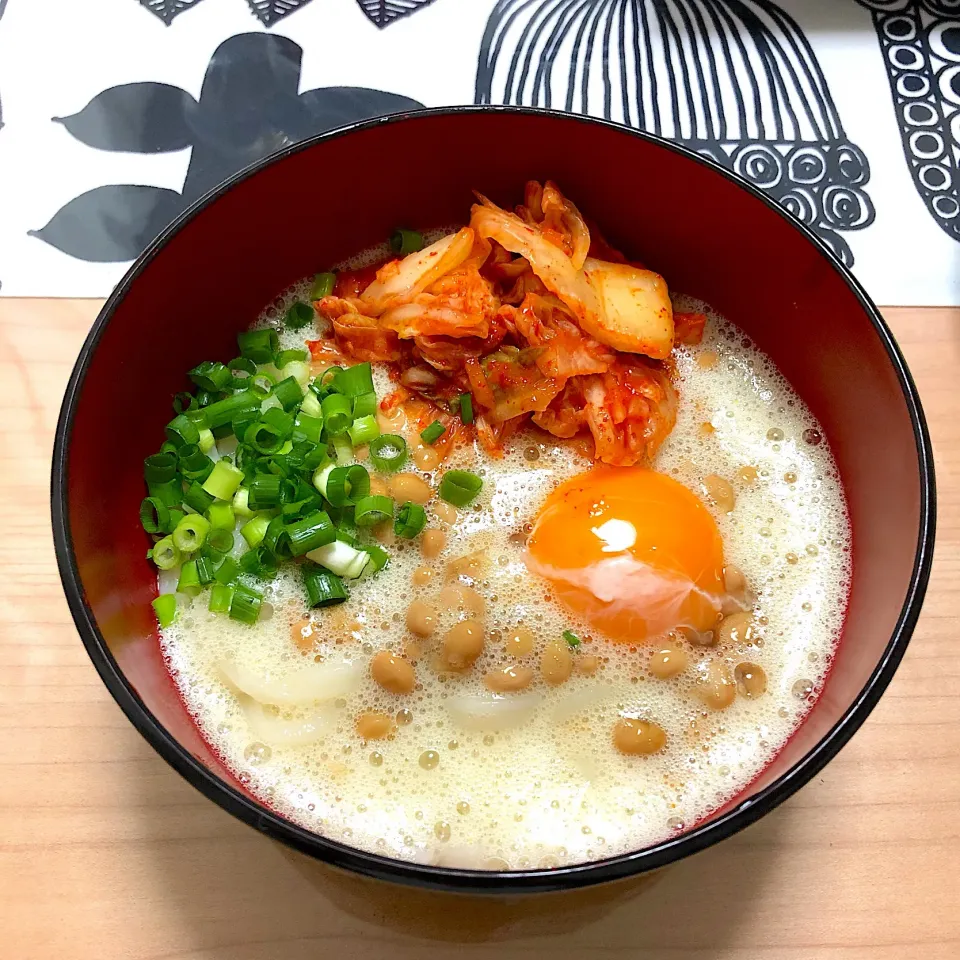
<point x="388" y="452"/>
<point x="347" y="485"/>
<point x="459" y="487"/>
<point x="411" y="519"/>
<point x="373" y="510"/>
<point x="154" y="515"/>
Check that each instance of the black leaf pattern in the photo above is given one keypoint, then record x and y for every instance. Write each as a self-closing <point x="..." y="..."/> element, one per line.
<point x="268" y="12"/>
<point x="384" y="12"/>
<point x="111" y="223"/>
<point x="167" y="10"/>
<point x="735" y="80"/>
<point x="249" y="106"/>
<point x="142" y="117"/>
<point x="920" y="43"/>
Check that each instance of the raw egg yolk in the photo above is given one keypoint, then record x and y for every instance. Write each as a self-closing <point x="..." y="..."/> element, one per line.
<point x="631" y="550"/>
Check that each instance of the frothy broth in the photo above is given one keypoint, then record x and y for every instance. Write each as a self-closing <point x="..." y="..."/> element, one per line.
<point x="552" y="790"/>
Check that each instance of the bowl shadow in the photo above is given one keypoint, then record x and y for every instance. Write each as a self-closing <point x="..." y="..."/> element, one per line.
<point x="241" y="896"/>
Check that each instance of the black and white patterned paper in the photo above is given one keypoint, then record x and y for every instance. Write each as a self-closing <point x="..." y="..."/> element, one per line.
<point x="117" y="114"/>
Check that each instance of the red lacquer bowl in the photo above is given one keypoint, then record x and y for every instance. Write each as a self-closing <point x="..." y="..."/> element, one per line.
<point x="712" y="236"/>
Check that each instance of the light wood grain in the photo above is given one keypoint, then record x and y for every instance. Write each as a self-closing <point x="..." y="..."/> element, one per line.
<point x="106" y="853"/>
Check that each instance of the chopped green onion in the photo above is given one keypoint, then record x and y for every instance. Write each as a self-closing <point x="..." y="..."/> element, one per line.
<point x="242" y="365"/>
<point x="298" y="316"/>
<point x="245" y="604"/>
<point x="459" y="487"/>
<point x="260" y="346"/>
<point x="405" y="241"/>
<point x="364" y="430"/>
<point x="466" y="408"/>
<point x="300" y="371"/>
<point x="207" y="440"/>
<point x="221" y="515"/>
<point x="221" y="595"/>
<point x="342" y="448"/>
<point x="343" y="559"/>
<point x="411" y="519"/>
<point x="288" y="392"/>
<point x="311" y="405"/>
<point x="154" y="516"/>
<point x="433" y="433"/>
<point x="277" y="540"/>
<point x="182" y="430"/>
<point x="168" y="447"/>
<point x="347" y="485"/>
<point x="365" y="405"/>
<point x="264" y="491"/>
<point x="175" y="517"/>
<point x="279" y="419"/>
<point x="337" y="413"/>
<point x="231" y="409"/>
<point x="220" y="540"/>
<point x="260" y="562"/>
<point x="328" y="380"/>
<point x="194" y="464"/>
<point x="206" y="397"/>
<point x="165" y="607"/>
<point x="166" y="554"/>
<point x="211" y="554"/>
<point x="191" y="532"/>
<point x="355" y="381"/>
<point x="347" y="536"/>
<point x="321" y="475"/>
<point x="189" y="581"/>
<point x="323" y="284"/>
<point x="388" y="452"/>
<point x="223" y="481"/>
<point x="205" y="567"/>
<point x="285" y="356"/>
<point x="317" y="457"/>
<point x="297" y="509"/>
<point x="170" y="494"/>
<point x="253" y="531"/>
<point x="306" y="427"/>
<point x="195" y="414"/>
<point x="324" y="589"/>
<point x="183" y="401"/>
<point x="572" y="639"/>
<point x="378" y="557"/>
<point x="197" y="498"/>
<point x="311" y="532"/>
<point x="262" y="383"/>
<point x="212" y="377"/>
<point x="264" y="437"/>
<point x="241" y="505"/>
<point x="228" y="571"/>
<point x="373" y="510"/>
<point x="160" y="468"/>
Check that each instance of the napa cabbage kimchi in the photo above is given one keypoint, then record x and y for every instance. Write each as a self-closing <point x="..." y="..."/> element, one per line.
<point x="534" y="316"/>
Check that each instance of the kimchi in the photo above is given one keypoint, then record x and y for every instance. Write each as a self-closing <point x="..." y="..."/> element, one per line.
<point x="533" y="316"/>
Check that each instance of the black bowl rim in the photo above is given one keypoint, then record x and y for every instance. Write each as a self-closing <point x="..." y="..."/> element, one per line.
<point x="480" y="881"/>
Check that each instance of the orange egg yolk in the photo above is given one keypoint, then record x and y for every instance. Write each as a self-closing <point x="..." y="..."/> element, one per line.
<point x="631" y="550"/>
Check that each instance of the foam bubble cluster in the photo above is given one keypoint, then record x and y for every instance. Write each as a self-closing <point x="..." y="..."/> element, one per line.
<point x="552" y="790"/>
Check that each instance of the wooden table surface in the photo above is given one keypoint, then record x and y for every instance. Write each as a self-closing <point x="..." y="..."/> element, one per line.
<point x="106" y="853"/>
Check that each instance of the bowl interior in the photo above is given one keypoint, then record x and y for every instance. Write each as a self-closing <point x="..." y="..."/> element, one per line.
<point x="708" y="236"/>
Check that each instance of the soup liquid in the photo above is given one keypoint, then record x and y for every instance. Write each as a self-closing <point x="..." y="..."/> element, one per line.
<point x="553" y="790"/>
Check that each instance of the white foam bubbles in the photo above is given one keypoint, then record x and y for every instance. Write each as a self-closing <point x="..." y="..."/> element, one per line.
<point x="552" y="789"/>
